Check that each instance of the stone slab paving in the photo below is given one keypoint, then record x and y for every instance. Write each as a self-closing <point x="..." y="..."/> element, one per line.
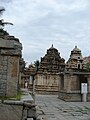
<point x="10" y="112"/>
<point x="49" y="107"/>
<point x="13" y="109"/>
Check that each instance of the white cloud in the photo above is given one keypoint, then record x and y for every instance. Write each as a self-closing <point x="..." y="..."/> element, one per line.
<point x="21" y="11"/>
<point x="63" y="7"/>
<point x="39" y="24"/>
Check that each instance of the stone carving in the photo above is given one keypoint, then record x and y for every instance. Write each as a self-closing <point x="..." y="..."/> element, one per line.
<point x="74" y="75"/>
<point x="47" y="76"/>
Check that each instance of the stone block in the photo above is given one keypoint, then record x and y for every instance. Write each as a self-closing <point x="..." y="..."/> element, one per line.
<point x="6" y="43"/>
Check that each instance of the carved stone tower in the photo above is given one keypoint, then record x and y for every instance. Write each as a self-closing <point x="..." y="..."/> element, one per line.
<point x="75" y="61"/>
<point x="47" y="76"/>
<point x="72" y="78"/>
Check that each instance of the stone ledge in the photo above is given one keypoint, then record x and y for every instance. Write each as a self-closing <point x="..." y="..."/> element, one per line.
<point x="9" y="43"/>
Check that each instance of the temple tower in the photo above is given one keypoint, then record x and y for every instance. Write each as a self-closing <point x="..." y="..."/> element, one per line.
<point x="47" y="76"/>
<point x="75" y="60"/>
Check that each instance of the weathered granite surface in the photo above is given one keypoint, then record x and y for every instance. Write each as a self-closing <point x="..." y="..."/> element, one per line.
<point x="10" y="54"/>
<point x="10" y="112"/>
<point x="22" y="109"/>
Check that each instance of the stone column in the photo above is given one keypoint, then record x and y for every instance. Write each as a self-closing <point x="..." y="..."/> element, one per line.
<point x="88" y="80"/>
<point x="10" y="53"/>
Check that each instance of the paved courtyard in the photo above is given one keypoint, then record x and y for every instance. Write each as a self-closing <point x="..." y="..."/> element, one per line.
<point x="51" y="108"/>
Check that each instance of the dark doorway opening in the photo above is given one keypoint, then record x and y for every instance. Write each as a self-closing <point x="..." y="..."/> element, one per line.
<point x="82" y="79"/>
<point x="78" y="66"/>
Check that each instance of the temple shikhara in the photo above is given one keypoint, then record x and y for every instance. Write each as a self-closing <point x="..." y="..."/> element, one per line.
<point x="47" y="75"/>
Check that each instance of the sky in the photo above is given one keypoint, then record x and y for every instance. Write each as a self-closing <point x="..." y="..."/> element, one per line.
<point x="40" y="23"/>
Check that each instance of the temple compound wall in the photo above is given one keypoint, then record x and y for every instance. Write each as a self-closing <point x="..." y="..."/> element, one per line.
<point x="10" y="54"/>
<point x="70" y="86"/>
<point x="47" y="83"/>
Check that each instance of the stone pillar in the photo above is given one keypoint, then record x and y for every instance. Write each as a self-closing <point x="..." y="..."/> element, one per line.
<point x="66" y="82"/>
<point x="69" y="84"/>
<point x="88" y="80"/>
<point x="33" y="92"/>
<point x="10" y="53"/>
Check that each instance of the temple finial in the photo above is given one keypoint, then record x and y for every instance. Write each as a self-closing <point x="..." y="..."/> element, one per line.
<point x="76" y="46"/>
<point x="52" y="46"/>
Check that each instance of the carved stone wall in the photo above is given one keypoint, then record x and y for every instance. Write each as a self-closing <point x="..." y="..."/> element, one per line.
<point x="47" y="76"/>
<point x="72" y="78"/>
<point x="47" y="83"/>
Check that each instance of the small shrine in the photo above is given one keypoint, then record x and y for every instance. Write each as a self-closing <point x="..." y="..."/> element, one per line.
<point x="27" y="76"/>
<point x="74" y="75"/>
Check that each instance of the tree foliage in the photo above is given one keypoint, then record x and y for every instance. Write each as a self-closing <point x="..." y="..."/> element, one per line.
<point x="37" y="63"/>
<point x="88" y="67"/>
<point x="2" y="23"/>
<point x="1" y="10"/>
<point x="22" y="64"/>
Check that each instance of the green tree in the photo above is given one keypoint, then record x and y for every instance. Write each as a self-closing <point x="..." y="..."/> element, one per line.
<point x="88" y="67"/>
<point x="37" y="63"/>
<point x="1" y="10"/>
<point x="22" y="64"/>
<point x="2" y="23"/>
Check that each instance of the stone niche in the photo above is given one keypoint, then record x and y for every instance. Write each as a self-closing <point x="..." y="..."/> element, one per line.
<point x="10" y="54"/>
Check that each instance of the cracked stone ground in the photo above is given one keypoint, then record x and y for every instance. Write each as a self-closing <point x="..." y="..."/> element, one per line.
<point x="49" y="107"/>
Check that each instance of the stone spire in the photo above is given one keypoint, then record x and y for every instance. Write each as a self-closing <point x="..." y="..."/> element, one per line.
<point x="76" y="59"/>
<point x="52" y="62"/>
<point x="52" y="46"/>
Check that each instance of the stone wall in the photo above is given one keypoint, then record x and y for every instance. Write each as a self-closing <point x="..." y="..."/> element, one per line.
<point x="47" y="83"/>
<point x="10" y="53"/>
<point x="3" y="74"/>
<point x="70" y="90"/>
<point x="12" y="75"/>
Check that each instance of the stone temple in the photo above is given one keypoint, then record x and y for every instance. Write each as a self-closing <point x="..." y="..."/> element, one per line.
<point x="47" y="76"/>
<point x="54" y="76"/>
